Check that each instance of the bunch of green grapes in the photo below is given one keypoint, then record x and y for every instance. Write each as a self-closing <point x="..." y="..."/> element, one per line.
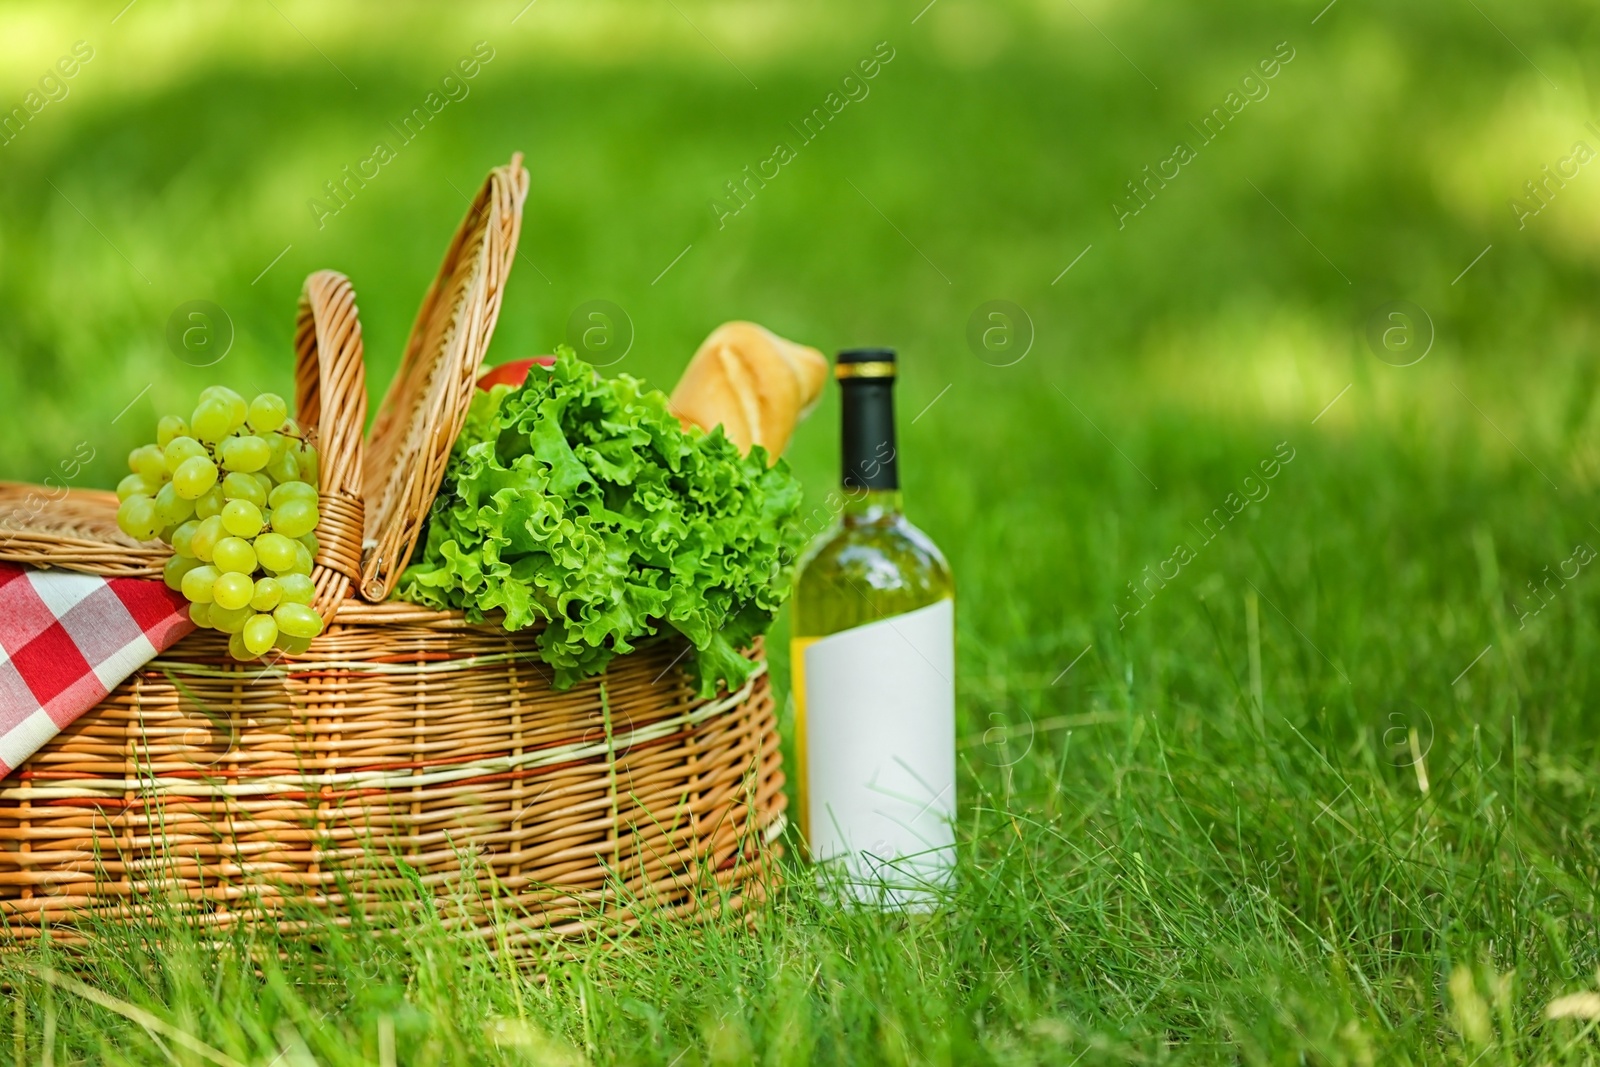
<point x="234" y="492"/>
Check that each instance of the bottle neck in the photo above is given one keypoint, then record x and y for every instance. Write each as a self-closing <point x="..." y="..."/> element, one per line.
<point x="867" y="453"/>
<point x="872" y="507"/>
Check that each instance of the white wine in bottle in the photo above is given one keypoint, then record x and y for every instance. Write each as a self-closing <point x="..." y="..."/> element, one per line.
<point x="873" y="659"/>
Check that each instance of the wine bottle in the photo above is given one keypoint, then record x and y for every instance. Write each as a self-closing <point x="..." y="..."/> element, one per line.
<point x="873" y="663"/>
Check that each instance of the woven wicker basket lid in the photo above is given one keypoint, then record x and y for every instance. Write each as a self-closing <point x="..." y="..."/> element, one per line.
<point x="375" y="493"/>
<point x="420" y="417"/>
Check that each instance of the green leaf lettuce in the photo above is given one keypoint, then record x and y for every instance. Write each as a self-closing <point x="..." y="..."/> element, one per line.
<point x="579" y="502"/>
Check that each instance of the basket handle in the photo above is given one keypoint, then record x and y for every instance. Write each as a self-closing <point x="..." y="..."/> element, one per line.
<point x="329" y="377"/>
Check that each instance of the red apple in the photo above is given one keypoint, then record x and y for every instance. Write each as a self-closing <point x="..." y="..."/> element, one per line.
<point x="513" y="373"/>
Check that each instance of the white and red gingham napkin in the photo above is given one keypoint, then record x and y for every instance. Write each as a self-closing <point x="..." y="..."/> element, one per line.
<point x="66" y="640"/>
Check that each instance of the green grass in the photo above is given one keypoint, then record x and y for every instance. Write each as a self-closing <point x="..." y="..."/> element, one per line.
<point x="1210" y="840"/>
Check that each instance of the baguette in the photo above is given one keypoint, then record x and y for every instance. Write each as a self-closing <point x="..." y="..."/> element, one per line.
<point x="751" y="382"/>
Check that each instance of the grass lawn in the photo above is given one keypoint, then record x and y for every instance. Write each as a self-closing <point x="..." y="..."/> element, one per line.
<point x="1279" y="662"/>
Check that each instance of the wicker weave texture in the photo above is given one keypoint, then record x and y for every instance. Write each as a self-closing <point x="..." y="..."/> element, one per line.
<point x="401" y="736"/>
<point x="74" y="529"/>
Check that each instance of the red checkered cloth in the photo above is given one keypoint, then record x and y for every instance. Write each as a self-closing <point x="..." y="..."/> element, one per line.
<point x="66" y="640"/>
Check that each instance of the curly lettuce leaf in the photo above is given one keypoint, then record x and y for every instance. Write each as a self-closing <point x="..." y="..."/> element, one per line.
<point x="579" y="502"/>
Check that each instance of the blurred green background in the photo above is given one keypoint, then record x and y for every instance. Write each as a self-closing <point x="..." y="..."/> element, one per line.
<point x="985" y="159"/>
<point x="1376" y="610"/>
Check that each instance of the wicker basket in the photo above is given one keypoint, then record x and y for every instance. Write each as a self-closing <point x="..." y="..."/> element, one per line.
<point x="406" y="744"/>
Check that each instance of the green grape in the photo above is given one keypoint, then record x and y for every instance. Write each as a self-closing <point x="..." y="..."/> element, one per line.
<point x="295" y="518"/>
<point x="137" y="484"/>
<point x="297" y="620"/>
<point x="238" y="486"/>
<point x="200" y="615"/>
<point x="172" y="508"/>
<point x="233" y="401"/>
<point x="210" y="502"/>
<point x="233" y="590"/>
<point x="268" y="594"/>
<point x="295" y="646"/>
<point x="313" y="546"/>
<point x="284" y="467"/>
<point x="267" y="413"/>
<point x="302" y="560"/>
<point x="244" y="453"/>
<point x="292" y="491"/>
<point x="309" y="465"/>
<point x="169" y="428"/>
<point x="259" y="634"/>
<point x="237" y="650"/>
<point x="297" y="588"/>
<point x="242" y="518"/>
<point x="233" y="555"/>
<point x="138" y="517"/>
<point x="200" y="583"/>
<point x="203" y="542"/>
<point x="194" y="476"/>
<point x="275" y="551"/>
<point x="238" y="411"/>
<point x="210" y="420"/>
<point x="175" y="568"/>
<point x="180" y="449"/>
<point x="149" y="461"/>
<point x="230" y="620"/>
<point x="183" y="538"/>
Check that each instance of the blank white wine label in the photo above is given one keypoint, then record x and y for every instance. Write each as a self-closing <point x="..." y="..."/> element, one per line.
<point x="880" y="739"/>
